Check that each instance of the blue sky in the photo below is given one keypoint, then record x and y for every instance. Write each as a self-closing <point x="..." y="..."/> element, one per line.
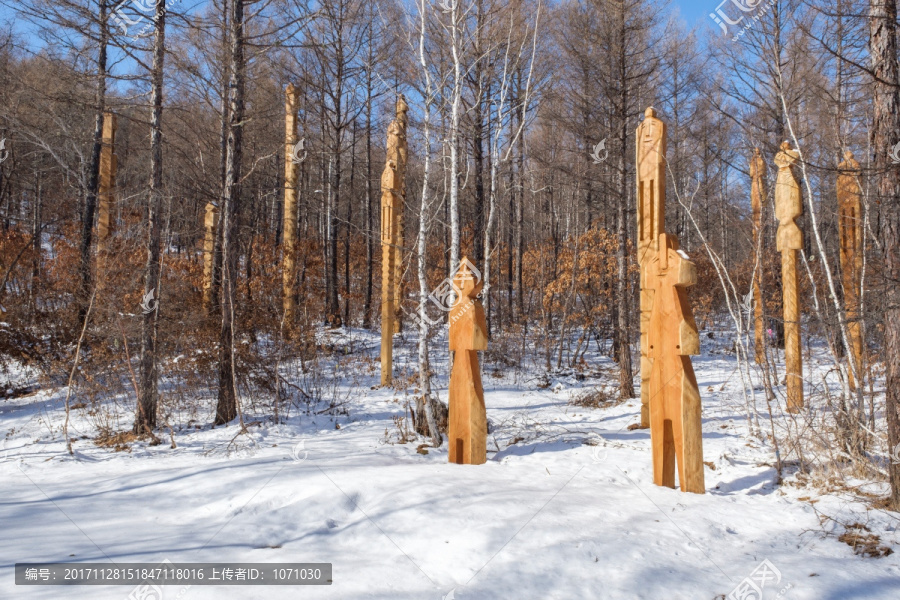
<point x="692" y="11"/>
<point x="695" y="10"/>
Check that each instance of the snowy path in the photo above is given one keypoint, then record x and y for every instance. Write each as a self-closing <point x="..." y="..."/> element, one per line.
<point x="546" y="518"/>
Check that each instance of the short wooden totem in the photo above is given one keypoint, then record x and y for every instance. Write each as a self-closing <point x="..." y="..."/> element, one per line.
<point x="851" y="237"/>
<point x="789" y="206"/>
<point x="392" y="193"/>
<point x="106" y="192"/>
<point x="289" y="222"/>
<point x="651" y="222"/>
<point x="468" y="334"/>
<point x="758" y="203"/>
<point x="675" y="423"/>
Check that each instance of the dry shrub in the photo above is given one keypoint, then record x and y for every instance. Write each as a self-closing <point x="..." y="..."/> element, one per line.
<point x="864" y="543"/>
<point x="599" y="397"/>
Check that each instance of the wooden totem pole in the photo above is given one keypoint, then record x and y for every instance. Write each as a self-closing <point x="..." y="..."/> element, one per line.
<point x="758" y="202"/>
<point x="106" y="193"/>
<point x="468" y="334"/>
<point x="789" y="206"/>
<point x="289" y="220"/>
<point x="851" y="237"/>
<point x="392" y="191"/>
<point x="651" y="222"/>
<point x="402" y="155"/>
<point x="209" y="250"/>
<point x="676" y="430"/>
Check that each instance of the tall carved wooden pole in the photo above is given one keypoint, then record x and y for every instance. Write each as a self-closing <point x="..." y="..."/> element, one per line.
<point x="289" y="220"/>
<point x="758" y="202"/>
<point x="789" y="206"/>
<point x="106" y="193"/>
<point x="402" y="152"/>
<point x="467" y="430"/>
<point x="851" y="237"/>
<point x="651" y="221"/>
<point x="676" y="431"/>
<point x="392" y="189"/>
<point x="209" y="247"/>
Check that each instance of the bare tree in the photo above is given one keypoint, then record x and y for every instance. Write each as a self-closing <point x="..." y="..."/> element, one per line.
<point x="886" y="136"/>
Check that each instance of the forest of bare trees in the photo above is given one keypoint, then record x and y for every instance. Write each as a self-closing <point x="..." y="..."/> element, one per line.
<point x="521" y="157"/>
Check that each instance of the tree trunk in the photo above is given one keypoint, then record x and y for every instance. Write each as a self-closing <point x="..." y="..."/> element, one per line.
<point x="623" y="339"/>
<point x="145" y="419"/>
<point x="885" y="133"/>
<point x="289" y="219"/>
<point x="226" y="410"/>
<point x="224" y="120"/>
<point x="36" y="227"/>
<point x="90" y="201"/>
<point x="370" y="225"/>
<point x="455" y="101"/>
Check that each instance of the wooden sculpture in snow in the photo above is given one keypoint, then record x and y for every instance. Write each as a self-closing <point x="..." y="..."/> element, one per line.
<point x="651" y="222"/>
<point x="289" y="222"/>
<point x="788" y="206"/>
<point x="675" y="423"/>
<point x="106" y="192"/>
<point x="392" y="191"/>
<point x="851" y="238"/>
<point x="402" y="152"/>
<point x="758" y="203"/>
<point x="468" y="334"/>
<point x="209" y="249"/>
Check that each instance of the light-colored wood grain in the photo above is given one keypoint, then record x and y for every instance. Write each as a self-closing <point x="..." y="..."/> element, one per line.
<point x="393" y="189"/>
<point x="209" y="247"/>
<point x="467" y="432"/>
<point x="851" y="239"/>
<point x="106" y="192"/>
<point x="651" y="221"/>
<point x="675" y="422"/>
<point x="789" y="238"/>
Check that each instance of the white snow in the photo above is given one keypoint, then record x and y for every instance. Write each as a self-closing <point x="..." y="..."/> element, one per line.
<point x="567" y="512"/>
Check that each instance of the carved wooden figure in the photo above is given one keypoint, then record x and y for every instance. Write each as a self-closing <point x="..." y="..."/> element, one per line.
<point x="402" y="155"/>
<point x="675" y="423"/>
<point x="851" y="238"/>
<point x="106" y="193"/>
<point x="758" y="203"/>
<point x="392" y="190"/>
<point x="289" y="222"/>
<point x="789" y="206"/>
<point x="468" y="334"/>
<point x="209" y="248"/>
<point x="651" y="221"/>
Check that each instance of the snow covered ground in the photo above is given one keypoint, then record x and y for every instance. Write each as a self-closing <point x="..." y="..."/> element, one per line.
<point x="565" y="507"/>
